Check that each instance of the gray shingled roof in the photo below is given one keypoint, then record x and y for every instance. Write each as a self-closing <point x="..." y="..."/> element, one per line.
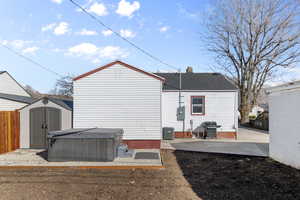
<point x="67" y="104"/>
<point x="1" y="72"/>
<point x="196" y="81"/>
<point x="17" y="98"/>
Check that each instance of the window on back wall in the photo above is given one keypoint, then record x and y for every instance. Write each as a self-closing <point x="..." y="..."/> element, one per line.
<point x="197" y="105"/>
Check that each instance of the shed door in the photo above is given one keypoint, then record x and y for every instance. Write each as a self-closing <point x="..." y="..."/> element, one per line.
<point x="42" y="120"/>
<point x="53" y="119"/>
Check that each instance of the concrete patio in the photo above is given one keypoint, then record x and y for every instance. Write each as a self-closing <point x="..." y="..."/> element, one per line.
<point x="36" y="158"/>
<point x="249" y="142"/>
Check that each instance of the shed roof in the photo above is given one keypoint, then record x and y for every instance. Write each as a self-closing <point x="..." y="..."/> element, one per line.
<point x="1" y="72"/>
<point x="196" y="81"/>
<point x="68" y="104"/>
<point x="120" y="63"/>
<point x="17" y="98"/>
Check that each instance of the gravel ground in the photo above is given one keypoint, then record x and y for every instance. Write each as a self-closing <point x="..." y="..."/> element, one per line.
<point x="188" y="175"/>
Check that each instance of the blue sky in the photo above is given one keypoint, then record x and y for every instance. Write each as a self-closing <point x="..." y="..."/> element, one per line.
<point x="55" y="34"/>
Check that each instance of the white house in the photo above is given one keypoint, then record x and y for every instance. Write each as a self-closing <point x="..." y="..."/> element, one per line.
<point x="284" y="123"/>
<point x="119" y="95"/>
<point x="205" y="96"/>
<point x="12" y="95"/>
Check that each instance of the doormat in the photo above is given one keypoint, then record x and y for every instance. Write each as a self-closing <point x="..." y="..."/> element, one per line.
<point x="146" y="155"/>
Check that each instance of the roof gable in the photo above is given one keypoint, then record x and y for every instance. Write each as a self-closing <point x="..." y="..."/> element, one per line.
<point x="120" y="63"/>
<point x="196" y="81"/>
<point x="9" y="85"/>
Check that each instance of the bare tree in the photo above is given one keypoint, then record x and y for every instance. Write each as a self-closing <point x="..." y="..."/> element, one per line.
<point x="252" y="40"/>
<point x="63" y="86"/>
<point x="34" y="93"/>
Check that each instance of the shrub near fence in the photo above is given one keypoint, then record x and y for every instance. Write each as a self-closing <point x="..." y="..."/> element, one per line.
<point x="9" y="131"/>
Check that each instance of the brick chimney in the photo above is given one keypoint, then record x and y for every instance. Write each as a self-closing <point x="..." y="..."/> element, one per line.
<point x="189" y="69"/>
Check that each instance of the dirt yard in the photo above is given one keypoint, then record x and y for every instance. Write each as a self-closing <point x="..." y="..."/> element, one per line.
<point x="187" y="176"/>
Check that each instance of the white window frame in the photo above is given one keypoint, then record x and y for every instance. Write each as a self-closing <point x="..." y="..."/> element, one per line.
<point x="198" y="105"/>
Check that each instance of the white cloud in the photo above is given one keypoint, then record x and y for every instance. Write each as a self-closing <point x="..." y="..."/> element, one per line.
<point x="83" y="49"/>
<point x="56" y="50"/>
<point x="127" y="33"/>
<point x="48" y="27"/>
<point x="164" y="29"/>
<point x="87" y="32"/>
<point x="99" y="9"/>
<point x="125" y="8"/>
<point x="24" y="46"/>
<point x="57" y="1"/>
<point x="61" y="29"/>
<point x="30" y="50"/>
<point x="107" y="32"/>
<point x="96" y="61"/>
<point x="19" y="44"/>
<point x="93" y="53"/>
<point x="112" y="52"/>
<point x="16" y="44"/>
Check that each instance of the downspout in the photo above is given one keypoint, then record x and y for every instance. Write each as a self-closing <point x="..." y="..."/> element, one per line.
<point x="180" y="88"/>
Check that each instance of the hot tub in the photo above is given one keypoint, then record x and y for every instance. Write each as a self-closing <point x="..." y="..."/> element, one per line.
<point x="95" y="144"/>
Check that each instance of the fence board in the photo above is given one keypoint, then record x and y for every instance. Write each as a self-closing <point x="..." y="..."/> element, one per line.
<point x="9" y="131"/>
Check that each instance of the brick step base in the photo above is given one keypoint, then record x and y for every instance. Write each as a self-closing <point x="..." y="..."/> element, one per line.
<point x="220" y="135"/>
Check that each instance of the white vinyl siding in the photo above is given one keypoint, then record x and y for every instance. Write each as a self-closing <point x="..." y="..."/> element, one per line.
<point x="219" y="106"/>
<point x="284" y="126"/>
<point x="119" y="97"/>
<point x="9" y="86"/>
<point x="8" y="105"/>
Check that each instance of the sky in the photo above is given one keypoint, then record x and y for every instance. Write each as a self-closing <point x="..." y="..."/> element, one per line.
<point x="60" y="37"/>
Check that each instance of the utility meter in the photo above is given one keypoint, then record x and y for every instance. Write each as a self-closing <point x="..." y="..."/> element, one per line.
<point x="181" y="113"/>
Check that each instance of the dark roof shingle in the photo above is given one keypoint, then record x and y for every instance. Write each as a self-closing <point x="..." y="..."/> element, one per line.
<point x="17" y="98"/>
<point x="67" y="104"/>
<point x="196" y="81"/>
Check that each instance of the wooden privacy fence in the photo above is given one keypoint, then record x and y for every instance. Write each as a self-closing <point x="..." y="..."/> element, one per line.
<point x="9" y="131"/>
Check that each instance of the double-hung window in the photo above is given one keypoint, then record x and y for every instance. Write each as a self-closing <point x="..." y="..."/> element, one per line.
<point x="197" y="105"/>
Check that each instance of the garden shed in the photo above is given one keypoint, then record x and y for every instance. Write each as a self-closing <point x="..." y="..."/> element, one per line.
<point x="40" y="117"/>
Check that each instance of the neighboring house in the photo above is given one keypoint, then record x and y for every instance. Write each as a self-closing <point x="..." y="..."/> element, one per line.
<point x="205" y="96"/>
<point x="12" y="95"/>
<point x="284" y="126"/>
<point x="37" y="115"/>
<point x="119" y="95"/>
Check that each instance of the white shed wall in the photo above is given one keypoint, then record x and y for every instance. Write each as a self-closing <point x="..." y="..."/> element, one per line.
<point x="8" y="105"/>
<point x="284" y="109"/>
<point x="219" y="106"/>
<point x="119" y="97"/>
<point x="66" y="123"/>
<point x="9" y="86"/>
